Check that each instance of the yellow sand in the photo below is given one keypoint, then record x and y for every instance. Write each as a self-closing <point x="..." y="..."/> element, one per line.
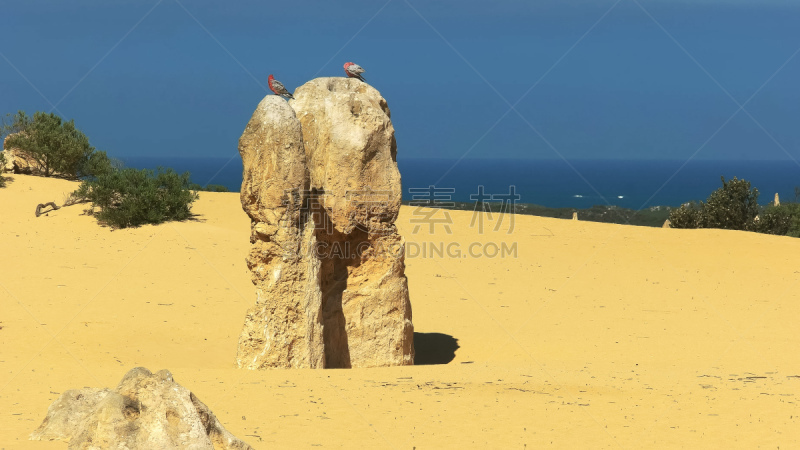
<point x="594" y="336"/>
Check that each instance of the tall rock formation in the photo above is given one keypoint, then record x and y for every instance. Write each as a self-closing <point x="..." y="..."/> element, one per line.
<point x="337" y="295"/>
<point x="284" y="327"/>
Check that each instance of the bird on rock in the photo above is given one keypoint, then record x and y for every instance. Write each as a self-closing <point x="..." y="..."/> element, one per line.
<point x="278" y="88"/>
<point x="353" y="70"/>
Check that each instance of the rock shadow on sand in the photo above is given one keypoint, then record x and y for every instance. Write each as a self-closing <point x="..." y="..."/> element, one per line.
<point x="434" y="348"/>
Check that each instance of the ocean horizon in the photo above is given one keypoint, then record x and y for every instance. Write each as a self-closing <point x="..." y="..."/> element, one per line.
<point x="634" y="184"/>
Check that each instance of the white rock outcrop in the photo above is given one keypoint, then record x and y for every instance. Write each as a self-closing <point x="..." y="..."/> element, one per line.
<point x="18" y="161"/>
<point x="145" y="411"/>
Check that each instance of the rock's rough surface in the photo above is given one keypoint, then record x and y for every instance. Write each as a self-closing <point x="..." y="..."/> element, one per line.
<point x="337" y="296"/>
<point x="351" y="149"/>
<point x="274" y="160"/>
<point x="17" y="161"/>
<point x="284" y="327"/>
<point x="6" y="165"/>
<point x="777" y="201"/>
<point x="145" y="411"/>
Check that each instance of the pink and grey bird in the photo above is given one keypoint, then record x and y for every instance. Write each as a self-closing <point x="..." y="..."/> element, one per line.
<point x="353" y="70"/>
<point x="277" y="87"/>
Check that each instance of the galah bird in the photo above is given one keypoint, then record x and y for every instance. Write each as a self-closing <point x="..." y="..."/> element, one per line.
<point x="353" y="70"/>
<point x="278" y="88"/>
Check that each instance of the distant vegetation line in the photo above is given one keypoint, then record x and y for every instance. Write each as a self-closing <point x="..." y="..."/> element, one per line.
<point x="734" y="206"/>
<point x="208" y="187"/>
<point x="650" y="217"/>
<point x="50" y="146"/>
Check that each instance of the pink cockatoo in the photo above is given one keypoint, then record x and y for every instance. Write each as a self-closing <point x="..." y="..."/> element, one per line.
<point x="278" y="88"/>
<point x="353" y="70"/>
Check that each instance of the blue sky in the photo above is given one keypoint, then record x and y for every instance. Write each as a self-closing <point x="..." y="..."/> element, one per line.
<point x="602" y="78"/>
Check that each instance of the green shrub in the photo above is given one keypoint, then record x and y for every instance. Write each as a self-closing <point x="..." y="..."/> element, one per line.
<point x="773" y="220"/>
<point x="57" y="147"/>
<point x="689" y="215"/>
<point x="2" y="169"/>
<point x="131" y="197"/>
<point x="734" y="206"/>
<point x="781" y="220"/>
<point x="98" y="163"/>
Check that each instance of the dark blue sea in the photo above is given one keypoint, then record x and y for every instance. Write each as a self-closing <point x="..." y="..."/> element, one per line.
<point x="552" y="183"/>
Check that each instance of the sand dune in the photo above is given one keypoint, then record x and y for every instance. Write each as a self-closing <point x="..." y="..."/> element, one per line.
<point x="594" y="336"/>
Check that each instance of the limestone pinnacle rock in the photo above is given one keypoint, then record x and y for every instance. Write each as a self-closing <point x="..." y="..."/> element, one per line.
<point x="284" y="327"/>
<point x="145" y="411"/>
<point x="777" y="201"/>
<point x="322" y="188"/>
<point x="351" y="149"/>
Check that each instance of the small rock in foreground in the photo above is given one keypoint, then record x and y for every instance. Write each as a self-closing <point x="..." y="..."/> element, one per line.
<point x="146" y="411"/>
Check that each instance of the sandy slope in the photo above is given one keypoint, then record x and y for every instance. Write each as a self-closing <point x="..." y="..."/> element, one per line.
<point x="594" y="336"/>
